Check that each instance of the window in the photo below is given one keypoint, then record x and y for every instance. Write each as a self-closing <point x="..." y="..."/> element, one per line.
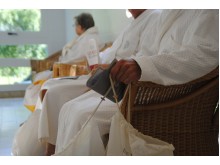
<point x="15" y="75"/>
<point x="14" y="53"/>
<point x="37" y="51"/>
<point x="13" y="21"/>
<point x="19" y="75"/>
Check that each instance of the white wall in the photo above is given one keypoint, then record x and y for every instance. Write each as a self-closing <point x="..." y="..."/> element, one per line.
<point x="118" y="21"/>
<point x="110" y="22"/>
<point x="54" y="29"/>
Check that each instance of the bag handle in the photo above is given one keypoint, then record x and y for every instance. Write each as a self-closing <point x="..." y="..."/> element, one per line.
<point x="116" y="100"/>
<point x="102" y="99"/>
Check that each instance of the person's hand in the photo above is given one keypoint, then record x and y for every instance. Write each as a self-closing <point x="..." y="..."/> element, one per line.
<point x="126" y="71"/>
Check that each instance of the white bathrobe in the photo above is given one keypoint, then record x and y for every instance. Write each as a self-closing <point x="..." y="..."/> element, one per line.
<point x="75" y="50"/>
<point x="175" y="46"/>
<point x="60" y="92"/>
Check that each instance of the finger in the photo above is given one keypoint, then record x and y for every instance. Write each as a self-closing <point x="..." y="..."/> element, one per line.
<point x="116" y="70"/>
<point x="125" y="77"/>
<point x="127" y="81"/>
<point x="121" y="73"/>
<point x="129" y="76"/>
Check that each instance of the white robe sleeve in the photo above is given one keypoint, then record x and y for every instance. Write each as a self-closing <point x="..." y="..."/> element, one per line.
<point x="195" y="56"/>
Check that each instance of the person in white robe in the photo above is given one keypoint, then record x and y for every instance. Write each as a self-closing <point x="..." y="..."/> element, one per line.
<point x="126" y="43"/>
<point x="175" y="47"/>
<point x="73" y="51"/>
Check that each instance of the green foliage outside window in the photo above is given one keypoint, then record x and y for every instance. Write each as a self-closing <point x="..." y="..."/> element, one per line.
<point x="20" y="20"/>
<point x="12" y="75"/>
<point x="23" y="51"/>
<point x="16" y="21"/>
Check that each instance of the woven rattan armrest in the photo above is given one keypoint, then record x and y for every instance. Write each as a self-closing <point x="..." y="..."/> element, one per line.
<point x="45" y="64"/>
<point x="179" y="114"/>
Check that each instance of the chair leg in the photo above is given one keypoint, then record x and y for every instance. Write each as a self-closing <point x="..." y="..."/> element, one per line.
<point x="50" y="149"/>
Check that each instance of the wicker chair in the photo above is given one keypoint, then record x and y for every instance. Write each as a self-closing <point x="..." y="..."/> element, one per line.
<point x="47" y="63"/>
<point x="185" y="115"/>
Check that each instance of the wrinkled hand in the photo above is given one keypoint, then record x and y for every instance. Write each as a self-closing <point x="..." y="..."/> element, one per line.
<point x="126" y="71"/>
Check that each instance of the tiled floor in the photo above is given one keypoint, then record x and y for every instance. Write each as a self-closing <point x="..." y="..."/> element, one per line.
<point x="12" y="114"/>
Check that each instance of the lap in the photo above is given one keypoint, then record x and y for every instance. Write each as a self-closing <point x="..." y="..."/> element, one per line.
<point x="76" y="112"/>
<point x="63" y="84"/>
<point x="54" y="98"/>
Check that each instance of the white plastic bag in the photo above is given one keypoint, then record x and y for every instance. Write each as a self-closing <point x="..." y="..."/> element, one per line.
<point x="125" y="140"/>
<point x="25" y="142"/>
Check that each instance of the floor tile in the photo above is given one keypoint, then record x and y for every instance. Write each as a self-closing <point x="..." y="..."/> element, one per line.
<point x="12" y="114"/>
